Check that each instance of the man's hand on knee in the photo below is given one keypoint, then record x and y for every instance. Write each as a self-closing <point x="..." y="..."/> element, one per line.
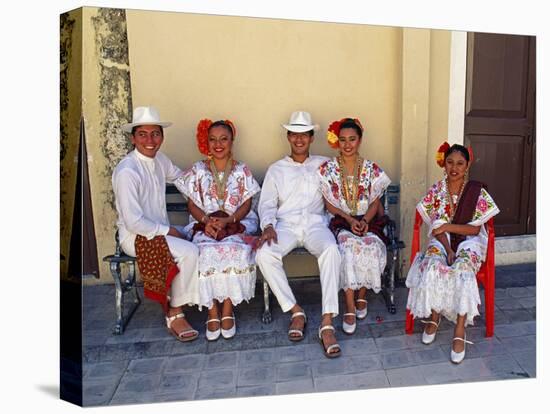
<point x="268" y="235"/>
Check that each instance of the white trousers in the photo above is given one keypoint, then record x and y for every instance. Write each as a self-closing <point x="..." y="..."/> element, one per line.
<point x="185" y="286"/>
<point x="320" y="242"/>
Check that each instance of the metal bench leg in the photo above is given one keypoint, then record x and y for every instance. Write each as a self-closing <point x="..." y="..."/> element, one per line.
<point x="266" y="316"/>
<point x="119" y="298"/>
<point x="390" y="285"/>
<point x="132" y="285"/>
<point x="121" y="287"/>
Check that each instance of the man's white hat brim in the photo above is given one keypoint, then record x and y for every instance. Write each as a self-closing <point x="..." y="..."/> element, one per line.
<point x="300" y="128"/>
<point x="129" y="127"/>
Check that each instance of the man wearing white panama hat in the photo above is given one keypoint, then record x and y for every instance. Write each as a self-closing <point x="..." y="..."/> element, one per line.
<point x="292" y="214"/>
<point x="139" y="182"/>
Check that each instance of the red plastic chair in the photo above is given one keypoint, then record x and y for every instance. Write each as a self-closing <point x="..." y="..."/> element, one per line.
<point x="485" y="276"/>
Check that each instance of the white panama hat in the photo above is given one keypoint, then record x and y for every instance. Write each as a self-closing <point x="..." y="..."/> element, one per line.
<point x="145" y="115"/>
<point x="300" y="121"/>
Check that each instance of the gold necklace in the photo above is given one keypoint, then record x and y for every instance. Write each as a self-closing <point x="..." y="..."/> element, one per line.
<point x="453" y="199"/>
<point x="350" y="194"/>
<point x="221" y="183"/>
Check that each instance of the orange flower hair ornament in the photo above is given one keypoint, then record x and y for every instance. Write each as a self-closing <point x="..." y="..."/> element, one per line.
<point x="334" y="131"/>
<point x="202" y="133"/>
<point x="440" y="154"/>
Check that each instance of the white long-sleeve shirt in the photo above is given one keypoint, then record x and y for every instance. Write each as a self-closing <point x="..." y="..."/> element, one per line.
<point x="291" y="193"/>
<point x="139" y="184"/>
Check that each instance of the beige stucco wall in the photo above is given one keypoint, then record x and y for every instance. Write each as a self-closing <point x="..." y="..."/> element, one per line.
<point x="256" y="71"/>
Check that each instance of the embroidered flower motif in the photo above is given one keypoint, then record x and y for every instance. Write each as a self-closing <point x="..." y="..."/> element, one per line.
<point x="335" y="190"/>
<point x="482" y="205"/>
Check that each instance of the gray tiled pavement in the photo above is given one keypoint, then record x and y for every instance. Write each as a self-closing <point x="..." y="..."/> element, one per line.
<point x="145" y="364"/>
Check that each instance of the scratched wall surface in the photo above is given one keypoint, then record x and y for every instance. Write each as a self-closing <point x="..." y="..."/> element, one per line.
<point x="70" y="80"/>
<point x="106" y="105"/>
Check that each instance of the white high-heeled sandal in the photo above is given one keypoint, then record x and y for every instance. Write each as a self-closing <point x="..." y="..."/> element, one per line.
<point x="299" y="332"/>
<point x="329" y="348"/>
<point x="457" y="357"/>
<point x="427" y="339"/>
<point x="180" y="336"/>
<point x="361" y="313"/>
<point x="229" y="333"/>
<point x="213" y="335"/>
<point x="349" y="328"/>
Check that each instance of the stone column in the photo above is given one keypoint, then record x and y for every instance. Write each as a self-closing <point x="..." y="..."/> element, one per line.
<point x="106" y="104"/>
<point x="414" y="128"/>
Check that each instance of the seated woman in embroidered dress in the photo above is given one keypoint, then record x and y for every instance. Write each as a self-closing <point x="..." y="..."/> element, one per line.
<point x="351" y="187"/>
<point x="442" y="280"/>
<point x="219" y="191"/>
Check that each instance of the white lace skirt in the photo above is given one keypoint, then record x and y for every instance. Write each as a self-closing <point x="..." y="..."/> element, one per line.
<point x="363" y="261"/>
<point x="449" y="290"/>
<point x="227" y="269"/>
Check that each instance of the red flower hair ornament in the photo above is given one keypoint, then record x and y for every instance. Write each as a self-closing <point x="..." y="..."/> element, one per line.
<point x="202" y="133"/>
<point x="334" y="131"/>
<point x="440" y="154"/>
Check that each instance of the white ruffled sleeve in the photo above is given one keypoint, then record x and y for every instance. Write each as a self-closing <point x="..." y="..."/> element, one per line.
<point x="189" y="185"/>
<point x="330" y="184"/>
<point x="379" y="181"/>
<point x="485" y="209"/>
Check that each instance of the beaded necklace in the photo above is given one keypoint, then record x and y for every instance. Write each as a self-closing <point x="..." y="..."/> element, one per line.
<point x="221" y="183"/>
<point x="453" y="199"/>
<point x="350" y="194"/>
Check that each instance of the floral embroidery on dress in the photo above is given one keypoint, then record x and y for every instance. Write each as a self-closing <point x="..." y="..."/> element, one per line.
<point x="373" y="181"/>
<point x="363" y="257"/>
<point x="227" y="268"/>
<point x="433" y="284"/>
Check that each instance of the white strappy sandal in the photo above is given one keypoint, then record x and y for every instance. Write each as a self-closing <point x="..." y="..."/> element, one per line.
<point x="427" y="339"/>
<point x="349" y="328"/>
<point x="300" y="332"/>
<point x="327" y="350"/>
<point x="457" y="357"/>
<point x="181" y="336"/>
<point x="213" y="335"/>
<point x="361" y="313"/>
<point x="229" y="333"/>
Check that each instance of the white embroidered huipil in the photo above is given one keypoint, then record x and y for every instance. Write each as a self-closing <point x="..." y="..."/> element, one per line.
<point x="139" y="185"/>
<point x="227" y="269"/>
<point x="292" y="202"/>
<point x="363" y="257"/>
<point x="449" y="290"/>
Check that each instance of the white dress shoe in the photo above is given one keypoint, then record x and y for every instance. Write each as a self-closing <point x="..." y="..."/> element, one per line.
<point x="361" y="313"/>
<point x="427" y="339"/>
<point x="213" y="335"/>
<point x="349" y="328"/>
<point x="457" y="357"/>
<point x="229" y="333"/>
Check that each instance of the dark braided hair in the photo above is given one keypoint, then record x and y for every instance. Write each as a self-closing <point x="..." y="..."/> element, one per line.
<point x="458" y="148"/>
<point x="222" y="124"/>
<point x="350" y="123"/>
